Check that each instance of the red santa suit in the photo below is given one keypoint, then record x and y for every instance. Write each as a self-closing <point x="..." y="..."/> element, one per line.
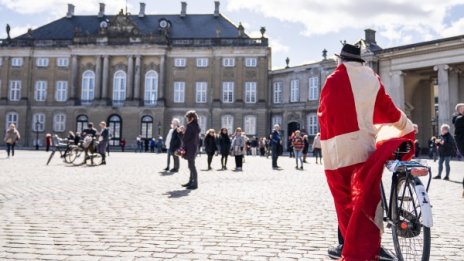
<point x="355" y="115"/>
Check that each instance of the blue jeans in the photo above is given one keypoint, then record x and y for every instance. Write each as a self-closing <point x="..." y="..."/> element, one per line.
<point x="445" y="159"/>
<point x="298" y="157"/>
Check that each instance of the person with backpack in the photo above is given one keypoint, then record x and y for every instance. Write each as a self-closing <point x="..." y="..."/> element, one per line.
<point x="298" y="145"/>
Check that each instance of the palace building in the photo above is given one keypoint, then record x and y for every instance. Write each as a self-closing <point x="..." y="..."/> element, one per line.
<point x="136" y="72"/>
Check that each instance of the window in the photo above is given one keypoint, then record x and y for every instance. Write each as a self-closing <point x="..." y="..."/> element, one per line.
<point x="61" y="91"/>
<point x="179" y="92"/>
<point x="14" y="94"/>
<point x="12" y="118"/>
<point x="250" y="92"/>
<point x="115" y="129"/>
<point x="228" y="92"/>
<point x="151" y="87"/>
<point x="278" y="86"/>
<point x="38" y="122"/>
<point x="119" y="87"/>
<point x="294" y="90"/>
<point x="62" y="62"/>
<point x="202" y="62"/>
<point x="81" y="121"/>
<point x="88" y="86"/>
<point x="249" y="125"/>
<point x="201" y="91"/>
<point x="17" y="61"/>
<point x="227" y="121"/>
<point x="202" y="123"/>
<point x="313" y="88"/>
<point x="59" y="122"/>
<point x="277" y="119"/>
<point x="41" y="62"/>
<point x="228" y="62"/>
<point x="312" y="124"/>
<point x="180" y="62"/>
<point x="147" y="126"/>
<point x="251" y="62"/>
<point x="40" y="93"/>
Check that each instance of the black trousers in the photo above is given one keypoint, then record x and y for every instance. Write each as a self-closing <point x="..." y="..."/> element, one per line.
<point x="176" y="161"/>
<point x="224" y="159"/>
<point x="10" y="147"/>
<point x="239" y="161"/>
<point x="210" y="159"/>
<point x="193" y="172"/>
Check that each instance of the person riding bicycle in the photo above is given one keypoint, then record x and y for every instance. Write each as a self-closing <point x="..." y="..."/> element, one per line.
<point x="355" y="113"/>
<point x="92" y="132"/>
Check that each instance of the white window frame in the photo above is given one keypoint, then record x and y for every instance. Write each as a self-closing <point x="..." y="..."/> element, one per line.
<point x="40" y="91"/>
<point x="88" y="86"/>
<point x="250" y="92"/>
<point x="227" y="121"/>
<point x="12" y="118"/>
<point x="17" y="61"/>
<point x="38" y="117"/>
<point x="151" y="87"/>
<point x="295" y="90"/>
<point x="180" y="62"/>
<point x="277" y="119"/>
<point x="202" y="122"/>
<point x="228" y="62"/>
<point x="179" y="92"/>
<point x="62" y="62"/>
<point x="61" y="91"/>
<point x="119" y="86"/>
<point x="278" y="92"/>
<point x="201" y="92"/>
<point x="251" y="62"/>
<point x="14" y="90"/>
<point x="313" y="90"/>
<point x="202" y="62"/>
<point x="249" y="124"/>
<point x="313" y="125"/>
<point x="59" y="122"/>
<point x="228" y="92"/>
<point x="41" y="62"/>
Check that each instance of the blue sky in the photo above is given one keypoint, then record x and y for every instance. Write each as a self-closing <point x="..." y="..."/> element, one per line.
<point x="298" y="29"/>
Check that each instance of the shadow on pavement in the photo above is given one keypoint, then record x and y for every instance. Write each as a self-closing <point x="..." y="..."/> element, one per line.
<point x="178" y="193"/>
<point x="166" y="173"/>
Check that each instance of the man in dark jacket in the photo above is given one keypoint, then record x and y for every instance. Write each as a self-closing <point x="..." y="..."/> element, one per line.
<point x="446" y="150"/>
<point x="174" y="144"/>
<point x="276" y="144"/>
<point x="458" y="121"/>
<point x="191" y="141"/>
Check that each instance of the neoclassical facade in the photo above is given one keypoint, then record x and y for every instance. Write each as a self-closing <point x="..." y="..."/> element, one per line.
<point x="136" y="72"/>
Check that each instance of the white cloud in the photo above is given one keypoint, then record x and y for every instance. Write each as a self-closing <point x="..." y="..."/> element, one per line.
<point x="396" y="20"/>
<point x="456" y="28"/>
<point x="277" y="46"/>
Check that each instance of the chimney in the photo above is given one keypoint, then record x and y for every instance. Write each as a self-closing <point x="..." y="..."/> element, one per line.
<point x="70" y="12"/>
<point x="142" y="10"/>
<point x="370" y="36"/>
<point x="183" y="11"/>
<point x="101" y="13"/>
<point x="216" y="8"/>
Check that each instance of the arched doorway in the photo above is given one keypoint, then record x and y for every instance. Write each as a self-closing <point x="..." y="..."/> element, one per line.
<point x="115" y="128"/>
<point x="81" y="122"/>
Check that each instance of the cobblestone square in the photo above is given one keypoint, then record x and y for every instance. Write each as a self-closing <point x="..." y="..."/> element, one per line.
<point x="131" y="210"/>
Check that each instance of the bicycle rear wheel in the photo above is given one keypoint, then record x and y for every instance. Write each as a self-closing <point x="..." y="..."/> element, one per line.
<point x="410" y="238"/>
<point x="95" y="159"/>
<point x="79" y="154"/>
<point x="69" y="155"/>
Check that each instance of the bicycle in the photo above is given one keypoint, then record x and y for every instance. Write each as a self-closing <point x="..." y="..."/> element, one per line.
<point x="408" y="213"/>
<point x="64" y="147"/>
<point x="86" y="153"/>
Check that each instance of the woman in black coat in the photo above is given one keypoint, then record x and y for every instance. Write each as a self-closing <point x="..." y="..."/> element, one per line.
<point x="175" y="144"/>
<point x="224" y="146"/>
<point x="210" y="146"/>
<point x="191" y="140"/>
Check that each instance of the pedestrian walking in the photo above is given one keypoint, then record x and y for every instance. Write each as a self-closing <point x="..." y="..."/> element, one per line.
<point x="446" y="150"/>
<point x="122" y="143"/>
<point x="10" y="138"/>
<point x="174" y="125"/>
<point x="317" y="152"/>
<point x="103" y="140"/>
<point x="262" y="146"/>
<point x="191" y="142"/>
<point x="175" y="144"/>
<point x="48" y="141"/>
<point x="305" y="147"/>
<point x="238" y="148"/>
<point x="254" y="145"/>
<point x="432" y="148"/>
<point x="458" y="121"/>
<point x="276" y="145"/>
<point x="290" y="151"/>
<point x="224" y="143"/>
<point x="298" y="145"/>
<point x="210" y="146"/>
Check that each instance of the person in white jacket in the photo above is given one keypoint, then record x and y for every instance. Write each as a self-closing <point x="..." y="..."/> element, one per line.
<point x="174" y="124"/>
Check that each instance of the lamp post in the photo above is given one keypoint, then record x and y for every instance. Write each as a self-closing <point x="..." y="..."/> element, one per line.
<point x="37" y="125"/>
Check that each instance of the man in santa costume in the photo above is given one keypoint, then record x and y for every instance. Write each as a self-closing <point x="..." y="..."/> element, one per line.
<point x="360" y="129"/>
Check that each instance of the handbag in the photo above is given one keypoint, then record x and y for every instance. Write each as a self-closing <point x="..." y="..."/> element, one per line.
<point x="180" y="152"/>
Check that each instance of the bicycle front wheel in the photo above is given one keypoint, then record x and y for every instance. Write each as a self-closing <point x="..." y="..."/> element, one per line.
<point x="79" y="156"/>
<point x="410" y="238"/>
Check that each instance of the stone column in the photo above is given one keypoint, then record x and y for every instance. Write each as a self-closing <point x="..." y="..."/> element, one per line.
<point x="98" y="76"/>
<point x="397" y="88"/>
<point x="443" y="94"/>
<point x="137" y="88"/>
<point x="74" y="77"/>
<point x="453" y="93"/>
<point x="161" y="79"/>
<point x="130" y="77"/>
<point x="106" y="71"/>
